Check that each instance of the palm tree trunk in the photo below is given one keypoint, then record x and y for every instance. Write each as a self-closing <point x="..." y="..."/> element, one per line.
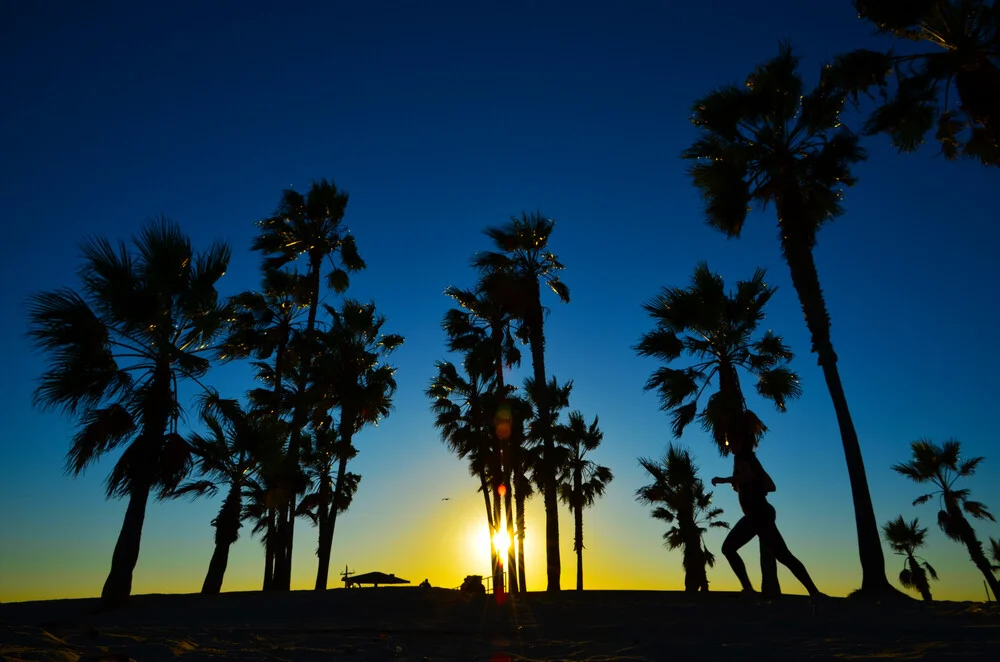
<point x="326" y="547"/>
<point x="269" y="546"/>
<point x="578" y="544"/>
<point x="519" y="504"/>
<point x="227" y="527"/>
<point x="498" y="568"/>
<point x="484" y="488"/>
<point x="283" y="578"/>
<point x="975" y="548"/>
<point x="919" y="578"/>
<point x="797" y="251"/>
<point x="512" y="551"/>
<point x="322" y="517"/>
<point x="553" y="568"/>
<point x="118" y="586"/>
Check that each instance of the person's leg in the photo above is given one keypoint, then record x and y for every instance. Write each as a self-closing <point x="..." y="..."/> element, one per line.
<point x="769" y="585"/>
<point x="768" y="532"/>
<point x="742" y="533"/>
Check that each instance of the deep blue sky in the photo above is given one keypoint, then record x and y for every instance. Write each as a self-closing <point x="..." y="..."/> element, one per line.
<point x="441" y="118"/>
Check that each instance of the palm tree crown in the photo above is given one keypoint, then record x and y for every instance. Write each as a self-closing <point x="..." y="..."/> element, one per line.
<point x="905" y="538"/>
<point x="965" y="59"/>
<point x="717" y="330"/>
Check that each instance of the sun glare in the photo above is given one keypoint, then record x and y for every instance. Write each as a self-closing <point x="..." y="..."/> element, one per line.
<point x="501" y="541"/>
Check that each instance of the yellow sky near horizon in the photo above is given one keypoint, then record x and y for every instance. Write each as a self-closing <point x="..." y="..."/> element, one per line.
<point x="449" y="544"/>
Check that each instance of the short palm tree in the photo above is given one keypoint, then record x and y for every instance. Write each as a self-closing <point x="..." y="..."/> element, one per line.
<point x="964" y="36"/>
<point x="582" y="481"/>
<point x="351" y="374"/>
<point x="141" y="324"/>
<point x="679" y="498"/>
<point x="460" y="407"/>
<point x="308" y="227"/>
<point x="942" y="466"/>
<point x="773" y="142"/>
<point x="522" y="255"/>
<point x="227" y="456"/>
<point x="905" y="539"/>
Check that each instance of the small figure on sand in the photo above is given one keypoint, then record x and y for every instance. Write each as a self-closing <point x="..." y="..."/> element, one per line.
<point x="425" y="584"/>
<point x="753" y="484"/>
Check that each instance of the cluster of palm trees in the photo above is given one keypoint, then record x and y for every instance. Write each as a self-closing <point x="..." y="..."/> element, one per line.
<point x="147" y="318"/>
<point x="514" y="441"/>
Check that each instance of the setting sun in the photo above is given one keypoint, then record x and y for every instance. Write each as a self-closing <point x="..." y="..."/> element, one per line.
<point x="501" y="541"/>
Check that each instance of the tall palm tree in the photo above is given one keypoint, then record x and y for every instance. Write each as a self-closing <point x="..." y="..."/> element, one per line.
<point x="582" y="481"/>
<point x="522" y="254"/>
<point x="965" y="58"/>
<point x="905" y="539"/>
<point x="523" y="460"/>
<point x="679" y="499"/>
<point x="118" y="349"/>
<point x="483" y="329"/>
<point x="773" y="142"/>
<point x="718" y="331"/>
<point x="308" y="227"/>
<point x="352" y="375"/>
<point x="942" y="466"/>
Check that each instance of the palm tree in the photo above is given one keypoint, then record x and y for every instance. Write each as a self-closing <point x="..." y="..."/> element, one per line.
<point x="483" y="330"/>
<point x="774" y="143"/>
<point x="581" y="481"/>
<point x="118" y="351"/>
<point x="717" y="330"/>
<point x="522" y="255"/>
<point x="965" y="56"/>
<point x="942" y="466"/>
<point x="995" y="555"/>
<point x="679" y="499"/>
<point x="311" y="227"/>
<point x="460" y="414"/>
<point x="351" y="374"/>
<point x="905" y="539"/>
<point x="227" y="457"/>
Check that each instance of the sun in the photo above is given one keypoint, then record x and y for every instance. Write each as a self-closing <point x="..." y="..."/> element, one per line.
<point x="501" y="541"/>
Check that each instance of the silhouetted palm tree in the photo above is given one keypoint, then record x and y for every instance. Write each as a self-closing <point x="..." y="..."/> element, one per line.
<point x="118" y="350"/>
<point x="351" y="374"/>
<point x="942" y="466"/>
<point x="905" y="539"/>
<point x="581" y="481"/>
<point x="772" y="142"/>
<point x="311" y="227"/>
<point x="227" y="457"/>
<point x="523" y="255"/>
<point x="995" y="555"/>
<point x="966" y="58"/>
<point x="717" y="331"/>
<point x="483" y="331"/>
<point x="460" y="413"/>
<point x="679" y="499"/>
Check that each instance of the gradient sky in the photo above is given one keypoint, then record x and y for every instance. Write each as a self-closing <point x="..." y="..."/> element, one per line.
<point x="441" y="118"/>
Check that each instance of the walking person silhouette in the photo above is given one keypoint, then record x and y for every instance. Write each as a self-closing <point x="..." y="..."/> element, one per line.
<point x="753" y="484"/>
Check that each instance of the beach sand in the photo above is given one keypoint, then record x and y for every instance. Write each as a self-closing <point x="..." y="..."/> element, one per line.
<point x="438" y="624"/>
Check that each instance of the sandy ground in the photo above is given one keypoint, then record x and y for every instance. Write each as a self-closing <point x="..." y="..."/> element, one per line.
<point x="439" y="624"/>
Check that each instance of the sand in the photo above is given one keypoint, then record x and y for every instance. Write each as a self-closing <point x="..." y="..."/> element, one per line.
<point x="438" y="624"/>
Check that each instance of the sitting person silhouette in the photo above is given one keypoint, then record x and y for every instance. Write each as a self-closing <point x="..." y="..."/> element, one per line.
<point x="753" y="484"/>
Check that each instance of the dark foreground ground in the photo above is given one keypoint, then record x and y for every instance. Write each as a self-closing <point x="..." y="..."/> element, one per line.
<point x="438" y="624"/>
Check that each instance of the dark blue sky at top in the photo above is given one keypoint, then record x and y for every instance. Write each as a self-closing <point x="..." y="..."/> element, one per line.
<point x="441" y="118"/>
